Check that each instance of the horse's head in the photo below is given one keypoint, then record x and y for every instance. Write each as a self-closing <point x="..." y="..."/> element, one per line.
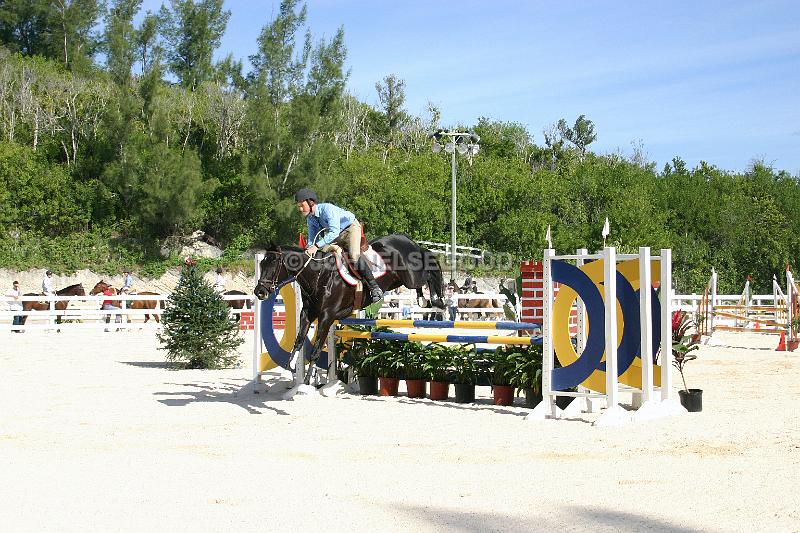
<point x="273" y="271"/>
<point x="72" y="290"/>
<point x="99" y="287"/>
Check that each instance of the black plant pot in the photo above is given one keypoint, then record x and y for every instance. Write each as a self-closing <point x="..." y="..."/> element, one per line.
<point x="532" y="397"/>
<point x="465" y="393"/>
<point x="368" y="385"/>
<point x="692" y="400"/>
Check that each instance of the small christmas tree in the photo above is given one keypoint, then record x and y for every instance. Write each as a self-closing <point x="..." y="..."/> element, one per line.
<point x="198" y="331"/>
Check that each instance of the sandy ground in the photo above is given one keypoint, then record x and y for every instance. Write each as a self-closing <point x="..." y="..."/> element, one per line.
<point x="96" y="435"/>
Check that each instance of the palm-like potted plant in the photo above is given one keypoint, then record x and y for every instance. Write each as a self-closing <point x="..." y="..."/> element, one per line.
<point x="437" y="364"/>
<point x="527" y="375"/>
<point x="466" y="372"/>
<point x="683" y="344"/>
<point x="413" y="363"/>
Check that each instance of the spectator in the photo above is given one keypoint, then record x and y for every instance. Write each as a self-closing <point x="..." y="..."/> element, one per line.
<point x="451" y="302"/>
<point x="219" y="283"/>
<point x="467" y="286"/>
<point x="47" y="284"/>
<point x="108" y="305"/>
<point x="15" y="305"/>
<point x="452" y="283"/>
<point x="474" y="288"/>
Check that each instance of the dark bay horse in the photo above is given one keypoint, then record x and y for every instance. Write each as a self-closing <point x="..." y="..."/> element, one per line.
<point x="237" y="305"/>
<point x="328" y="298"/>
<point x="72" y="290"/>
<point x="101" y="286"/>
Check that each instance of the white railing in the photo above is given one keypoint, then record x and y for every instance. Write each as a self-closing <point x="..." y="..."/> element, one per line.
<point x="86" y="312"/>
<point x="443" y="248"/>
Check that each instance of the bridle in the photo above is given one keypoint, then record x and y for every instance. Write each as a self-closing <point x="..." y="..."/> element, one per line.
<point x="272" y="284"/>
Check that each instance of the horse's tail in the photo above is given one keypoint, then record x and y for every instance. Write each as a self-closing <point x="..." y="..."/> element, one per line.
<point x="435" y="279"/>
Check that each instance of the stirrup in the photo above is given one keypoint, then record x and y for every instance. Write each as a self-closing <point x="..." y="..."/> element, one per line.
<point x="376" y="294"/>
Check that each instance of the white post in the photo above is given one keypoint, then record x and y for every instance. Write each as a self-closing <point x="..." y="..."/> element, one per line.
<point x="645" y="302"/>
<point x="614" y="415"/>
<point x="666" y="321"/>
<point x="610" y="281"/>
<point x="789" y="297"/>
<point x="548" y="362"/>
<point x="300" y="364"/>
<point x="713" y="298"/>
<point x="257" y="329"/>
<point x="581" y="309"/>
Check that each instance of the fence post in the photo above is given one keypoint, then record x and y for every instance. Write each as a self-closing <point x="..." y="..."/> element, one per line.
<point x="257" y="329"/>
<point x="666" y="321"/>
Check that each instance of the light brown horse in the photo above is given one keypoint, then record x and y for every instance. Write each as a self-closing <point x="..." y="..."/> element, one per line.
<point x="134" y="304"/>
<point x="72" y="290"/>
<point x="476" y="303"/>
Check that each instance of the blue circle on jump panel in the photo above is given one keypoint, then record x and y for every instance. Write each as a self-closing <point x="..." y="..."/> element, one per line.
<point x="271" y="343"/>
<point x="588" y="361"/>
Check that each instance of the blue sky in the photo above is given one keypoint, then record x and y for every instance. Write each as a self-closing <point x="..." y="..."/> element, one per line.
<point x="712" y="81"/>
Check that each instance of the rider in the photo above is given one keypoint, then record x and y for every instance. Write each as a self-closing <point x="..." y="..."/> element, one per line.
<point x="47" y="283"/>
<point x="343" y="229"/>
<point x="127" y="282"/>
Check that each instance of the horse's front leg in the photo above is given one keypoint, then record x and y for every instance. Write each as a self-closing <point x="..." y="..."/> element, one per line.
<point x="324" y="325"/>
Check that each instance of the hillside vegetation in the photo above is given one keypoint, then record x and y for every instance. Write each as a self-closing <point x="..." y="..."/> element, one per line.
<point x="100" y="161"/>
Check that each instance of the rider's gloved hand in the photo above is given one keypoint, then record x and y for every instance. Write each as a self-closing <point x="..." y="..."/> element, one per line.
<point x="312" y="250"/>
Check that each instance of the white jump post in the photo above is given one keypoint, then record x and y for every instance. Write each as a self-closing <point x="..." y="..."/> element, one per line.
<point x="257" y="346"/>
<point x="548" y="353"/>
<point x="614" y="414"/>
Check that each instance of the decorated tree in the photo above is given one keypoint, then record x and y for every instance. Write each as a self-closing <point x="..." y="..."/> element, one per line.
<point x="198" y="331"/>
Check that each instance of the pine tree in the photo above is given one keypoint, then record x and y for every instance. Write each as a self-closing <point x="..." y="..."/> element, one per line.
<point x="198" y="331"/>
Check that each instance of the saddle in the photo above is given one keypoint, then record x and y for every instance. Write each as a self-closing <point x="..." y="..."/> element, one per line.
<point x="348" y="270"/>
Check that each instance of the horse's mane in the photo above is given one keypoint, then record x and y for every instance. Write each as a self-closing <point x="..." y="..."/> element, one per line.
<point x="70" y="287"/>
<point x="271" y="247"/>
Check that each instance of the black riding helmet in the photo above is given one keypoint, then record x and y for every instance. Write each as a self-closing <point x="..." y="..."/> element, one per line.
<point x="305" y="194"/>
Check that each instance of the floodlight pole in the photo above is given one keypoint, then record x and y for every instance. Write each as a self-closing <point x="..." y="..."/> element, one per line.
<point x="453" y="215"/>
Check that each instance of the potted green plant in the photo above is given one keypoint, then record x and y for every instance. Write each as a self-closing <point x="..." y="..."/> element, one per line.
<point x="465" y="374"/>
<point x="389" y="361"/>
<point x="683" y="344"/>
<point x="357" y="355"/>
<point x="527" y="376"/>
<point x="438" y="360"/>
<point x="413" y="364"/>
<point x="503" y="368"/>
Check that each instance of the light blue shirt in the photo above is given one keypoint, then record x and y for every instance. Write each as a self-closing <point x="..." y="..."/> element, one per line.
<point x="128" y="282"/>
<point x="331" y="217"/>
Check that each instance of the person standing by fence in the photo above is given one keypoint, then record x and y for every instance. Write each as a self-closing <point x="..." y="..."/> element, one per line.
<point x="108" y="305"/>
<point x="450" y="300"/>
<point x="15" y="305"/>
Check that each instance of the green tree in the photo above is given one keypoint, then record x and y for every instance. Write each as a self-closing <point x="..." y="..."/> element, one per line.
<point x="24" y="26"/>
<point x="198" y="329"/>
<point x="193" y="29"/>
<point x="72" y="37"/>
<point x="120" y="39"/>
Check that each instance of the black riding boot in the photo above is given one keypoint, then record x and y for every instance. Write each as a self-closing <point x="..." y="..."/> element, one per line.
<point x="375" y="292"/>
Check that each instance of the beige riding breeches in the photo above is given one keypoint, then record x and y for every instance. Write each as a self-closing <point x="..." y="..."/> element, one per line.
<point x="350" y="239"/>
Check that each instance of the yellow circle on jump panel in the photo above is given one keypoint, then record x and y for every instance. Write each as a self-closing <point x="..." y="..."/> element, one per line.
<point x="290" y="326"/>
<point x="562" y="307"/>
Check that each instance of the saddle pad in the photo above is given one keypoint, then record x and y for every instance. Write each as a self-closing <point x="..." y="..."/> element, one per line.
<point x="377" y="266"/>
